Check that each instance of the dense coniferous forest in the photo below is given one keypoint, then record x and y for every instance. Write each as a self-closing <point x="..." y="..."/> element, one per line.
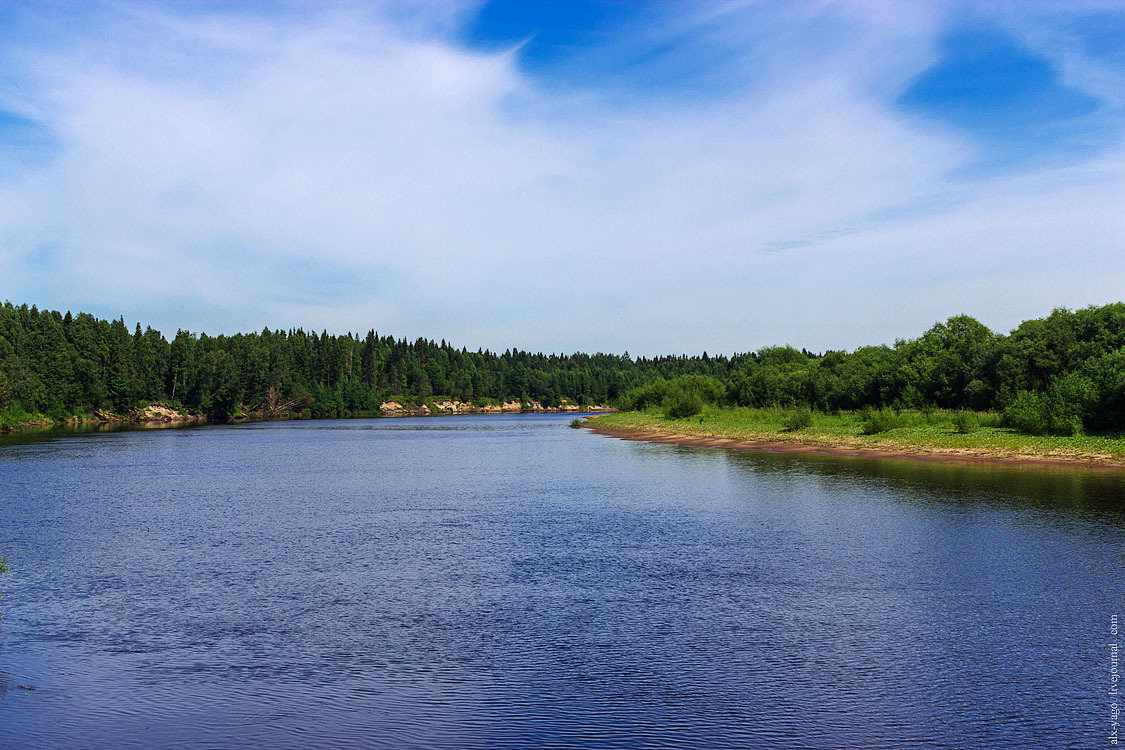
<point x="1061" y="374"/>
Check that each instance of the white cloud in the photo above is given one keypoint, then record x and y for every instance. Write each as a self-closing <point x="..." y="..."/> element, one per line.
<point x="349" y="170"/>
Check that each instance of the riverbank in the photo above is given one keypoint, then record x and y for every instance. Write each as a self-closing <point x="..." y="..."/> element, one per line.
<point x="926" y="437"/>
<point x="156" y="414"/>
<point x="393" y="408"/>
<point x="159" y="414"/>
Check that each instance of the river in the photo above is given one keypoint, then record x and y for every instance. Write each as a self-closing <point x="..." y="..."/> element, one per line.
<point x="506" y="581"/>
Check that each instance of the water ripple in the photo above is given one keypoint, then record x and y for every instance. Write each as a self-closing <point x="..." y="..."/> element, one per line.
<point x="506" y="582"/>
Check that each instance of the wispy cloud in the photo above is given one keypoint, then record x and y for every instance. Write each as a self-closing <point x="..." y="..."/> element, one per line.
<point x="356" y="168"/>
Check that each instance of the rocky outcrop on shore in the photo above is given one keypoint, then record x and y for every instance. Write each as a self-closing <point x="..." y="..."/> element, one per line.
<point x="160" y="413"/>
<point x="451" y="406"/>
<point x="155" y="414"/>
<point x="152" y="415"/>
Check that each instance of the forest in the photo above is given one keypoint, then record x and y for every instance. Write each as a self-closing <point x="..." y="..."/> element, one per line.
<point x="1060" y="374"/>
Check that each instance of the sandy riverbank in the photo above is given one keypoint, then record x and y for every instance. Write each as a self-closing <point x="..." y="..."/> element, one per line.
<point x="791" y="444"/>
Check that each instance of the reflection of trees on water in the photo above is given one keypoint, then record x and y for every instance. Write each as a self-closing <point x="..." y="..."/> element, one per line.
<point x="1098" y="494"/>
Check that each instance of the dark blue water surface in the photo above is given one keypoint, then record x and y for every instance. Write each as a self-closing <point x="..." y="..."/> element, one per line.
<point x="504" y="581"/>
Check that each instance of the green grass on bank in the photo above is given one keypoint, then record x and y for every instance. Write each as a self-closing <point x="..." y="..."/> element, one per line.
<point x="937" y="431"/>
<point x="14" y="416"/>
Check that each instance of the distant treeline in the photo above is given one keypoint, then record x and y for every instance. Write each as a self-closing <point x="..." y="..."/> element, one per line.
<point x="1061" y="373"/>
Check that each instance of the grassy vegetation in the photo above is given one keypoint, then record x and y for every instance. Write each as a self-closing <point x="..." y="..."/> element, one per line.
<point x="15" y="416"/>
<point x="953" y="432"/>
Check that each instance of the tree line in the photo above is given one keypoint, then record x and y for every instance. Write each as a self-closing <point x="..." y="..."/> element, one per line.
<point x="1061" y="373"/>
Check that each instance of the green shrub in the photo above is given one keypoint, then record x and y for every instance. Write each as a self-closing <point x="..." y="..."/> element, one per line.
<point x="681" y="402"/>
<point x="798" y="420"/>
<point x="936" y="418"/>
<point x="1042" y="414"/>
<point x="978" y="394"/>
<point x="709" y="390"/>
<point x="918" y="418"/>
<point x="875" y="421"/>
<point x="992" y="419"/>
<point x="1066" y="424"/>
<point x="965" y="422"/>
<point x="577" y="423"/>
<point x="1072" y="401"/>
<point x="686" y="395"/>
<point x="644" y="396"/>
<point x="57" y="413"/>
<point x="1028" y="413"/>
<point x="13" y="415"/>
<point x="1108" y="373"/>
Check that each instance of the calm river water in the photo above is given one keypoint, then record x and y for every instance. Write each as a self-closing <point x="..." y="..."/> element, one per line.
<point x="505" y="581"/>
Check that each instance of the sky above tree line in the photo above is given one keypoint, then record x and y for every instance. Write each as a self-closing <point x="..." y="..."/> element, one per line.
<point x="651" y="177"/>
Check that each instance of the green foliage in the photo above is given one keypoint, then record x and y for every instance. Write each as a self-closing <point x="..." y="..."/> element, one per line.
<point x="686" y="395"/>
<point x="577" y="423"/>
<point x="843" y="429"/>
<point x="12" y="415"/>
<point x="1028" y="413"/>
<point x="965" y="422"/>
<point x="709" y="390"/>
<point x="645" y="396"/>
<point x="682" y="402"/>
<point x="63" y="365"/>
<point x="991" y="420"/>
<point x="798" y="419"/>
<point x="1058" y="412"/>
<point x="1107" y="372"/>
<point x="1072" y="362"/>
<point x="874" y="421"/>
<point x="1073" y="399"/>
<point x="945" y="361"/>
<point x="1063" y="423"/>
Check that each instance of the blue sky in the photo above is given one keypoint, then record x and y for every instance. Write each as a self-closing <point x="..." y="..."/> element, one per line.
<point x="656" y="177"/>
